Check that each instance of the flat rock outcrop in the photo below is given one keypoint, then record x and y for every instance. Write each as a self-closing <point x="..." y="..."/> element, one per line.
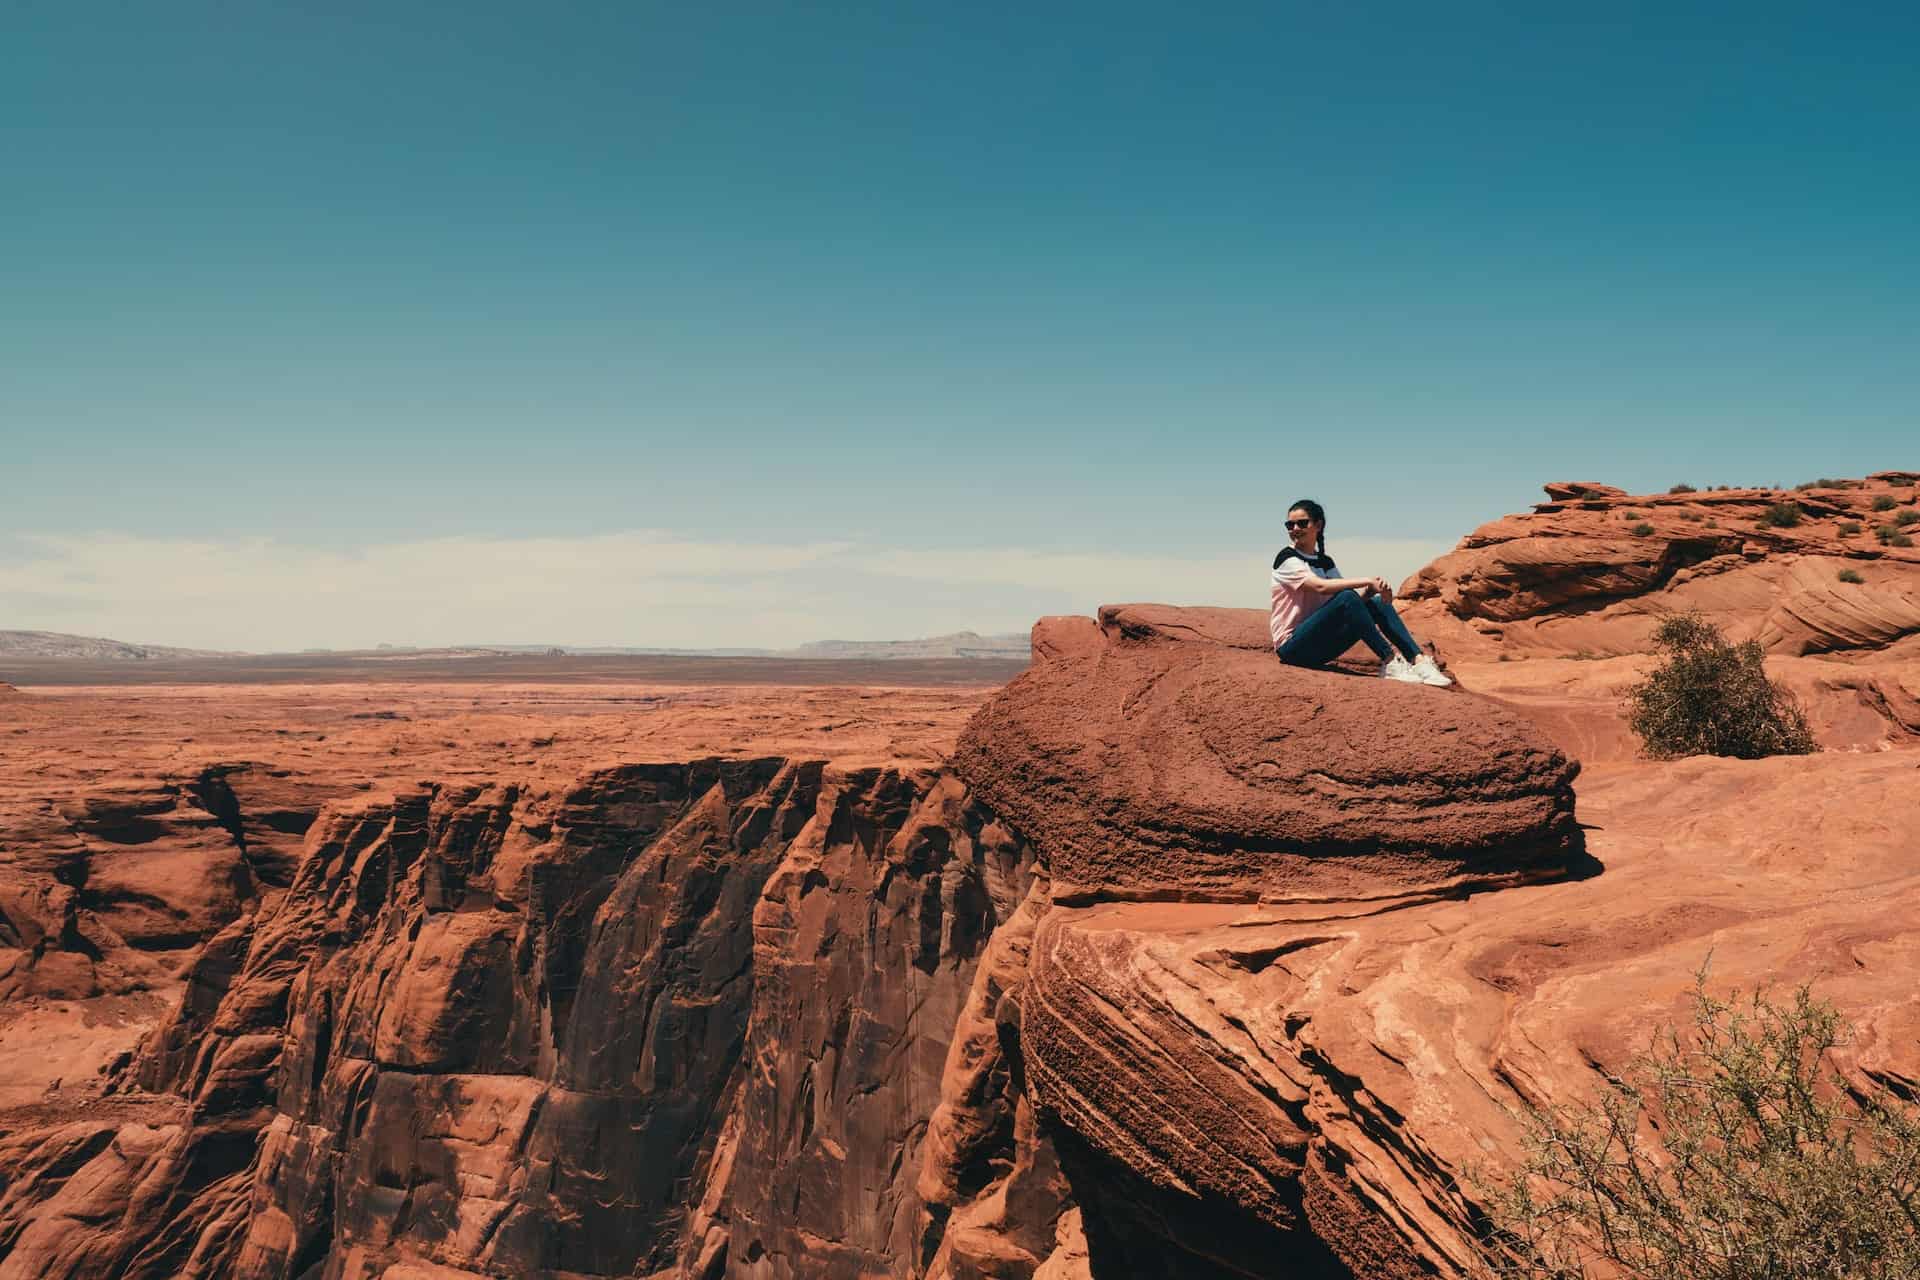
<point x="1178" y="759"/>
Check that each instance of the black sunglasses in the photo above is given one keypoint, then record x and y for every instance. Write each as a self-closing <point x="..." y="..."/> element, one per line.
<point x="1298" y="524"/>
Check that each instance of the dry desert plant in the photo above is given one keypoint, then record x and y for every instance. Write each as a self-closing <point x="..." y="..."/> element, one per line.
<point x="1712" y="697"/>
<point x="1734" y="1151"/>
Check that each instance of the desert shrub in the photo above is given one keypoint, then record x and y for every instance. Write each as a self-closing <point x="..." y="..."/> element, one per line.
<point x="1692" y="517"/>
<point x="1683" y="488"/>
<point x="1851" y="575"/>
<point x="1889" y="534"/>
<point x="1909" y="516"/>
<point x="1781" y="515"/>
<point x="1632" y="515"/>
<point x="1734" y="1151"/>
<point x="1850" y="528"/>
<point x="1883" y="502"/>
<point x="1824" y="483"/>
<point x="1711" y="697"/>
<point x="1641" y="530"/>
<point x="1900" y="540"/>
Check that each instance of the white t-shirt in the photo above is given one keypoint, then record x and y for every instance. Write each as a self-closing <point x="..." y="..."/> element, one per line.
<point x="1293" y="604"/>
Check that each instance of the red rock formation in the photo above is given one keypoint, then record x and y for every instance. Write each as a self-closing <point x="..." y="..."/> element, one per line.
<point x="1592" y="570"/>
<point x="1221" y="1088"/>
<point x="1177" y="763"/>
<point x="681" y="1018"/>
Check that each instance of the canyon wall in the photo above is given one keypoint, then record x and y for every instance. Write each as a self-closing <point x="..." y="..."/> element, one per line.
<point x="683" y="1018"/>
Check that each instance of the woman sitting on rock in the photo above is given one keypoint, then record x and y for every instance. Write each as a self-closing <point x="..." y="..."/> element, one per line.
<point x="1317" y="614"/>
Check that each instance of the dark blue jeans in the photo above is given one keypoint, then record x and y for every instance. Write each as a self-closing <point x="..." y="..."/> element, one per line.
<point x="1331" y="630"/>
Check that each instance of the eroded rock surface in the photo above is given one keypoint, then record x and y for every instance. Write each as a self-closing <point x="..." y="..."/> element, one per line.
<point x="1307" y="1085"/>
<point x="675" y="1017"/>
<point x="1173" y="762"/>
<point x="1591" y="570"/>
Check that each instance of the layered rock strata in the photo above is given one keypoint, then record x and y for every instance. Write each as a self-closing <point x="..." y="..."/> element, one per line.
<point x="1329" y="1084"/>
<point x="1591" y="571"/>
<point x="1177" y="761"/>
<point x="682" y="1018"/>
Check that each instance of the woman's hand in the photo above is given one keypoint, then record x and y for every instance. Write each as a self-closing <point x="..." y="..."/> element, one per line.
<point x="1385" y="590"/>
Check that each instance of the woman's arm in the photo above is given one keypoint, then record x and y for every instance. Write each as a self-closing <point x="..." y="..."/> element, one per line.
<point x="1327" y="586"/>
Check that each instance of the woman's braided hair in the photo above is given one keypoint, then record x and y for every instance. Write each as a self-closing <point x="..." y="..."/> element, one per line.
<point x="1317" y="514"/>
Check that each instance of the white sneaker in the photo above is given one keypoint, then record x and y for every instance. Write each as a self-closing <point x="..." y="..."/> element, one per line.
<point x="1398" y="668"/>
<point x="1430" y="672"/>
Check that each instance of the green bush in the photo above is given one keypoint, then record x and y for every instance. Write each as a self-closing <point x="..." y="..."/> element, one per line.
<point x="1781" y="515"/>
<point x="1683" y="488"/>
<point x="1909" y="516"/>
<point x="1710" y="697"/>
<point x="1850" y="528"/>
<point x="1890" y="535"/>
<point x="1824" y="483"/>
<point x="1883" y="502"/>
<point x="1733" y="1152"/>
<point x="1641" y="530"/>
<point x="1851" y="575"/>
<point x="1899" y="540"/>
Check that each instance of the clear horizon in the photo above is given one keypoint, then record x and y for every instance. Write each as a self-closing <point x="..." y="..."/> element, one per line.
<point x="747" y="328"/>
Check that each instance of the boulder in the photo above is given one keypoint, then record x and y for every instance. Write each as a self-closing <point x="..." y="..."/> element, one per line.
<point x="1179" y="760"/>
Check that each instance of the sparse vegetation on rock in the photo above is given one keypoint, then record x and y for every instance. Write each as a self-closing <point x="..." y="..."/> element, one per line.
<point x="1734" y="1151"/>
<point x="1851" y="576"/>
<point x="1683" y="488"/>
<point x="1909" y="516"/>
<point x="1642" y="529"/>
<point x="1850" y="528"/>
<point x="1781" y="515"/>
<point x="1712" y="697"/>
<point x="1884" y="502"/>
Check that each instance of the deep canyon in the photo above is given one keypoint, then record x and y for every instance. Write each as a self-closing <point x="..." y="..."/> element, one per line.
<point x="1160" y="960"/>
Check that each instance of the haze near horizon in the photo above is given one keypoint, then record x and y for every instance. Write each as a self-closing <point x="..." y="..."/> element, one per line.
<point x="758" y="326"/>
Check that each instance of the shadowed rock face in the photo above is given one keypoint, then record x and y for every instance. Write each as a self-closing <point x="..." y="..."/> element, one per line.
<point x="1169" y="762"/>
<point x="677" y="1019"/>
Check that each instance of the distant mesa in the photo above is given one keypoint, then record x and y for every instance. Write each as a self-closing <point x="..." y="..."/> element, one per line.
<point x="54" y="644"/>
<point x="961" y="644"/>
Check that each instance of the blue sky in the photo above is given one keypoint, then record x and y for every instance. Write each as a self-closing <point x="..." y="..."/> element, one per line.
<point x="318" y="320"/>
